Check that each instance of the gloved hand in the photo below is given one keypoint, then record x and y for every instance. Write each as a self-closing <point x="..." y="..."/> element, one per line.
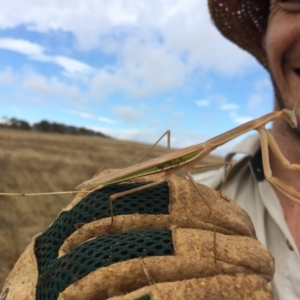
<point x="161" y="246"/>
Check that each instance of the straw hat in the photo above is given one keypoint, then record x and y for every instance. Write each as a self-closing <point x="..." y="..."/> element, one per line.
<point x="243" y="22"/>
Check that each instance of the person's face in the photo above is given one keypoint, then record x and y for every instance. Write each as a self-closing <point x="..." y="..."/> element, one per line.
<point x="282" y="46"/>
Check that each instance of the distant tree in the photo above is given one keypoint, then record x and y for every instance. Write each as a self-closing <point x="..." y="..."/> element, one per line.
<point x="44" y="126"/>
<point x="71" y="130"/>
<point x="17" y="124"/>
<point x="24" y="125"/>
<point x="82" y="130"/>
<point x="13" y="123"/>
<point x="3" y="121"/>
<point x="57" y="127"/>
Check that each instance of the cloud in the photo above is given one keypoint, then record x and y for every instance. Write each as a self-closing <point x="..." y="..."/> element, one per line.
<point x="140" y="72"/>
<point x="42" y="85"/>
<point x="36" y="52"/>
<point x="202" y="102"/>
<point x="7" y="77"/>
<point x="218" y="100"/>
<point x="21" y="46"/>
<point x="261" y="95"/>
<point x="90" y="116"/>
<point x="128" y="114"/>
<point x="71" y="66"/>
<point x="263" y="84"/>
<point x="197" y="38"/>
<point x="153" y="48"/>
<point x="229" y="106"/>
<point x="254" y="101"/>
<point x="151" y="67"/>
<point x="239" y="119"/>
<point x="183" y="29"/>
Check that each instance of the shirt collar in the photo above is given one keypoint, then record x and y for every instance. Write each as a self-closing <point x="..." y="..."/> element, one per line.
<point x="250" y="147"/>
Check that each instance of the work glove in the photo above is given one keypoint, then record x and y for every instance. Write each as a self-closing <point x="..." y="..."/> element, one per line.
<point x="164" y="244"/>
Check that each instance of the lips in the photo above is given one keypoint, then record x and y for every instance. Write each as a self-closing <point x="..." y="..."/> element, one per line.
<point x="297" y="71"/>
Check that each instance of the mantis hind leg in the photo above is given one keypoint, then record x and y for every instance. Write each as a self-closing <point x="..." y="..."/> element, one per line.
<point x="196" y="186"/>
<point x="168" y="133"/>
<point x="229" y="164"/>
<point x="100" y="170"/>
<point x="190" y="176"/>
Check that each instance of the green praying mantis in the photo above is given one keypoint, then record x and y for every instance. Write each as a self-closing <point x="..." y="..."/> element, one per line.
<point x="188" y="157"/>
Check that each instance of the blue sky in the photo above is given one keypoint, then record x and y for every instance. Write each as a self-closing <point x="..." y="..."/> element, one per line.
<point x="130" y="69"/>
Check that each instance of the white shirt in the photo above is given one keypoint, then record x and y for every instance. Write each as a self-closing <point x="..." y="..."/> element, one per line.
<point x="247" y="186"/>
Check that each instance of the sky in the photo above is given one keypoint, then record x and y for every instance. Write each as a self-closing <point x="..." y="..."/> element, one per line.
<point x="129" y="69"/>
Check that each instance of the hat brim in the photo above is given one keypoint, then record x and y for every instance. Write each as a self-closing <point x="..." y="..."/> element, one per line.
<point x="243" y="22"/>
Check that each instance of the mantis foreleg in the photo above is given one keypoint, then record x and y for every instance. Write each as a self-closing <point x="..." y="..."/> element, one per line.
<point x="278" y="154"/>
<point x="224" y="163"/>
<point x="267" y="140"/>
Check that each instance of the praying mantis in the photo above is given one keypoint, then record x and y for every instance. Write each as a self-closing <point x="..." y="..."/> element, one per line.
<point x="190" y="156"/>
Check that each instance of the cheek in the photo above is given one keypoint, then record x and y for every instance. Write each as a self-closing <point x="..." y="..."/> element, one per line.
<point x="280" y="40"/>
<point x="275" y="43"/>
<point x="282" y="35"/>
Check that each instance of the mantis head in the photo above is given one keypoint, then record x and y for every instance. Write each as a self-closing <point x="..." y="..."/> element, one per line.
<point x="290" y="117"/>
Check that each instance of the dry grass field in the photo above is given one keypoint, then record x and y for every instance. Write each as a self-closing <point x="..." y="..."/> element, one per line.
<point x="40" y="162"/>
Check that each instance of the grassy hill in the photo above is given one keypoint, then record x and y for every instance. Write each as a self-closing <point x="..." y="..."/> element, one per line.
<point x="38" y="162"/>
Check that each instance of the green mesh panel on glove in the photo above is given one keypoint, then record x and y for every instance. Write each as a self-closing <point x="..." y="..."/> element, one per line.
<point x="56" y="274"/>
<point x="147" y="297"/>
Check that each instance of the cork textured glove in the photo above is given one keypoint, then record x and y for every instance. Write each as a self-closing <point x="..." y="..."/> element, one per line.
<point x="161" y="246"/>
